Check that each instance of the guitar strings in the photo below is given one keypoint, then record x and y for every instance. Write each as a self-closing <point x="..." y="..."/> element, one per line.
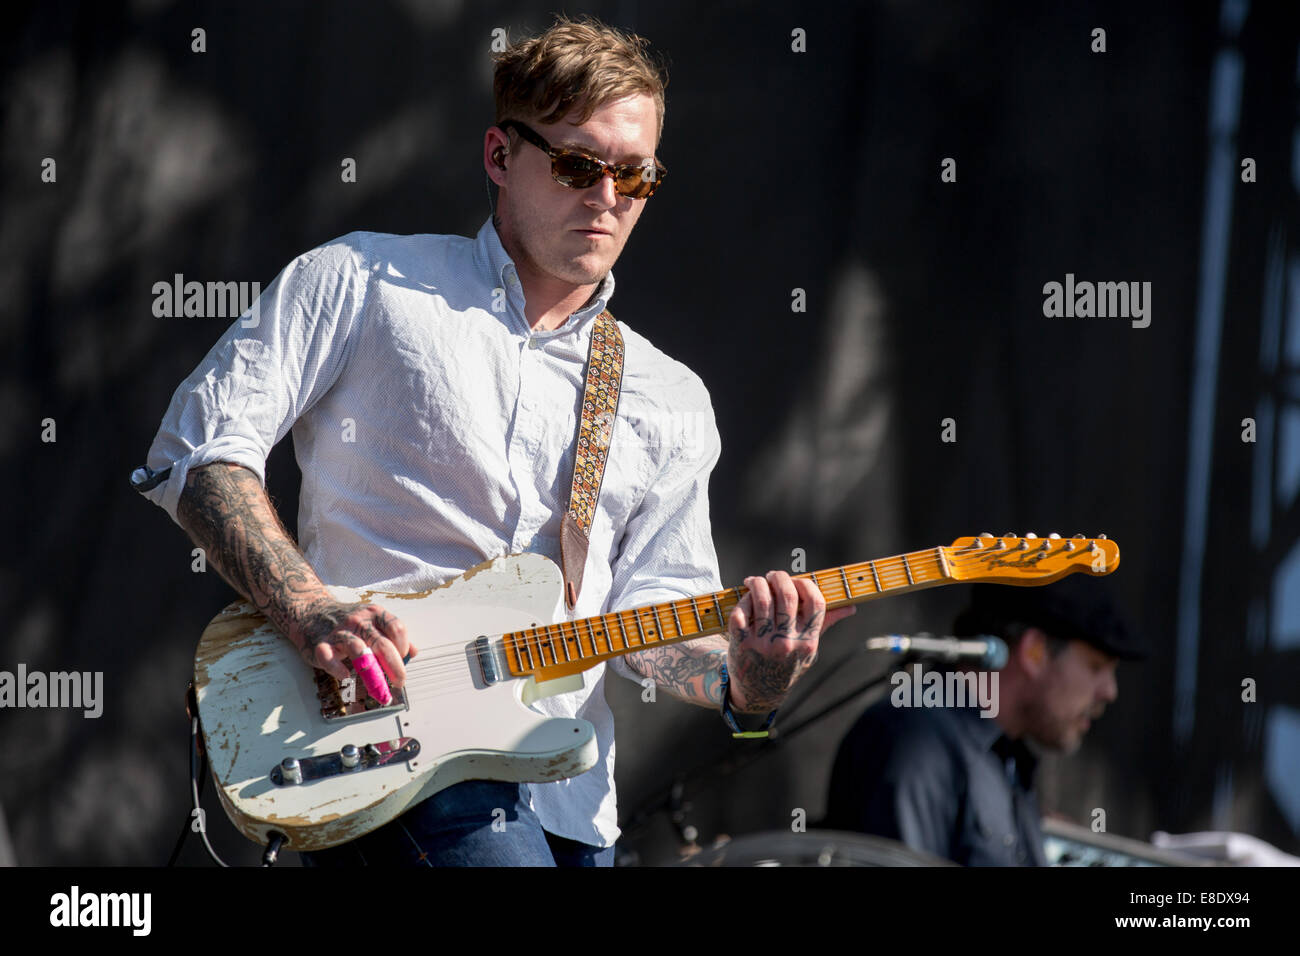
<point x="542" y="644"/>
<point x="538" y="643"/>
<point x="447" y="668"/>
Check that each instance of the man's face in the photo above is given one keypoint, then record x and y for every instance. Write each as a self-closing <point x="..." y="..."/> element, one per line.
<point x="543" y="223"/>
<point x="1072" y="691"/>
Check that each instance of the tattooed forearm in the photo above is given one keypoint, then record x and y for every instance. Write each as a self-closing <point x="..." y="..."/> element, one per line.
<point x="227" y="513"/>
<point x="690" y="671"/>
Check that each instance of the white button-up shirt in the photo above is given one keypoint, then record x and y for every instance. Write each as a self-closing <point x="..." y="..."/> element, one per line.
<point x="436" y="430"/>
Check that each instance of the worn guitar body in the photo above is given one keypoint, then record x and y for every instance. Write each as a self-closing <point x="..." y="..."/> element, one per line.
<point x="247" y="676"/>
<point x="295" y="753"/>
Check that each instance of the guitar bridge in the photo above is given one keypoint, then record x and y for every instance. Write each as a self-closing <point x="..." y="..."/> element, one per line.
<point x="344" y="699"/>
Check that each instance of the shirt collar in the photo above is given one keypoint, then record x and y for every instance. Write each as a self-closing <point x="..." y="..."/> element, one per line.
<point x="499" y="272"/>
<point x="983" y="731"/>
<point x="989" y="737"/>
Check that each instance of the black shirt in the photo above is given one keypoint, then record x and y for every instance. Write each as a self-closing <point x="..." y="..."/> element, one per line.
<point x="942" y="780"/>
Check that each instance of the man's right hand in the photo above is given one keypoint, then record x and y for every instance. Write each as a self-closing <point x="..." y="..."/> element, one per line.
<point x="327" y="631"/>
<point x="226" y="511"/>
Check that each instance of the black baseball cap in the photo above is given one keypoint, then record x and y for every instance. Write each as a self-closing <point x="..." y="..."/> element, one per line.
<point x="1077" y="607"/>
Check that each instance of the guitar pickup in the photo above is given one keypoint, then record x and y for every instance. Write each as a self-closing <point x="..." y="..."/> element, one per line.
<point x="292" y="771"/>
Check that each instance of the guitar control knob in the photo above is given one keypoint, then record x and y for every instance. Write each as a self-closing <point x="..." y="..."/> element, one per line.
<point x="350" y="756"/>
<point x="291" y="770"/>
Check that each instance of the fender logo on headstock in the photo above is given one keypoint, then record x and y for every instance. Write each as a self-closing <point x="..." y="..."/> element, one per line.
<point x="1009" y="559"/>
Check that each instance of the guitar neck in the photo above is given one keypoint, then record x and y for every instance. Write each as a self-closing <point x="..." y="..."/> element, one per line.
<point x="570" y="647"/>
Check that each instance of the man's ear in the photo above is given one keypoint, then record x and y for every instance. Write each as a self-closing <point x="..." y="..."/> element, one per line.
<point x="1032" y="651"/>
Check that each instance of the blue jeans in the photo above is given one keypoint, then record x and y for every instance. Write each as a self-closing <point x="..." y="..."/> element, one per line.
<point x="475" y="823"/>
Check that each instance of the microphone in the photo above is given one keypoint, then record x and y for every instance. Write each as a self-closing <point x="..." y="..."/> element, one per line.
<point x="985" y="652"/>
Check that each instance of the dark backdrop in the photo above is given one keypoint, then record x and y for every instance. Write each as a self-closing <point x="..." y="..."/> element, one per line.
<point x="816" y="170"/>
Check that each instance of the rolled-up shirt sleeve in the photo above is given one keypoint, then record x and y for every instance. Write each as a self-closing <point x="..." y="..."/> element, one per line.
<point x="667" y="550"/>
<point x="268" y="369"/>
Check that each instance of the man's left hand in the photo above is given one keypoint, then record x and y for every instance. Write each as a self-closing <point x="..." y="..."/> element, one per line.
<point x="773" y="634"/>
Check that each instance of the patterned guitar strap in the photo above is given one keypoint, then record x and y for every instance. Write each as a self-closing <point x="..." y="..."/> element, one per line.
<point x="600" y="393"/>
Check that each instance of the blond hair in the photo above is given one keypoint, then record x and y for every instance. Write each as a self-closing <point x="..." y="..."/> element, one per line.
<point x="581" y="64"/>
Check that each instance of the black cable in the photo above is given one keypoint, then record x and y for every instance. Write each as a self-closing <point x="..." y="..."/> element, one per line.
<point x="187" y="825"/>
<point x="195" y="773"/>
<point x="273" y="849"/>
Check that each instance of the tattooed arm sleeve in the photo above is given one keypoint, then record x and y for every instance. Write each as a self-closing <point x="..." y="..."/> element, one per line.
<point x="227" y="512"/>
<point x="689" y="671"/>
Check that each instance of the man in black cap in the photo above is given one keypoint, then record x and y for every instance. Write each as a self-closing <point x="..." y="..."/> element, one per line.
<point x="958" y="782"/>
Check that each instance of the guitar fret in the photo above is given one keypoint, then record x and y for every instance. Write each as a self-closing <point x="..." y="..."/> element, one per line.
<point x="529" y="651"/>
<point x="618" y="616"/>
<point x="875" y="576"/>
<point x="677" y="622"/>
<point x="563" y="643"/>
<point x="659" y="626"/>
<point x="699" y="621"/>
<point x="604" y="629"/>
<point x="550" y="639"/>
<point x="717" y="608"/>
<point x="848" y="591"/>
<point x="591" y="632"/>
<point x="566" y="638"/>
<point x="908" y="570"/>
<point x="639" y="628"/>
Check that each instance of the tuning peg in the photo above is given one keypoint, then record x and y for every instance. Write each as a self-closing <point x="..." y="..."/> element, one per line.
<point x="1024" y="544"/>
<point x="1030" y="534"/>
<point x="986" y="534"/>
<point x="1054" y="536"/>
<point x="1069" y="545"/>
<point x="1045" y="546"/>
<point x="1009" y="534"/>
<point x="1079" y="537"/>
<point x="1102" y="536"/>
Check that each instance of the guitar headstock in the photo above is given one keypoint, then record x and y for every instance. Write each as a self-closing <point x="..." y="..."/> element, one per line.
<point x="1031" y="560"/>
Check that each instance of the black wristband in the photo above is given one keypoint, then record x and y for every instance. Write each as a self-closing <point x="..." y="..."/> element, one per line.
<point x="730" y="718"/>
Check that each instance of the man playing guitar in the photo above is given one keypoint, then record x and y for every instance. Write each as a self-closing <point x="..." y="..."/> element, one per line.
<point x="432" y="384"/>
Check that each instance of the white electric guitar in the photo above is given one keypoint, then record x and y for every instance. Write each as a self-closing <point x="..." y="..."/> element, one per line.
<point x="296" y="752"/>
